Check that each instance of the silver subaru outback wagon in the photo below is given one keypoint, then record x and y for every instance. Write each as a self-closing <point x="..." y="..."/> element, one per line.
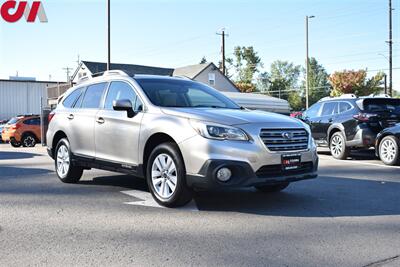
<point x="178" y="134"/>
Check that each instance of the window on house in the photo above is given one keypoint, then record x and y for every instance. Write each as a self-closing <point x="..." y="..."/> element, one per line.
<point x="211" y="78"/>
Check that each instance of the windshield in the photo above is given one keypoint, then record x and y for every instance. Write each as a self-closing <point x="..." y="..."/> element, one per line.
<point x="382" y="105"/>
<point x="183" y="94"/>
<point x="12" y="121"/>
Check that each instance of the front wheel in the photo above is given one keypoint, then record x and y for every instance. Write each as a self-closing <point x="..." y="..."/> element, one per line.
<point x="338" y="147"/>
<point x="166" y="176"/>
<point x="389" y="150"/>
<point x="66" y="171"/>
<point x="14" y="143"/>
<point x="272" y="188"/>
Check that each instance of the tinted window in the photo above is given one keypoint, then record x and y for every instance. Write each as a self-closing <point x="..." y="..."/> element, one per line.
<point x="344" y="106"/>
<point x="119" y="90"/>
<point x="93" y="96"/>
<point x="35" y="121"/>
<point x="70" y="100"/>
<point x="313" y="111"/>
<point x="183" y="93"/>
<point x="329" y="108"/>
<point x="379" y="105"/>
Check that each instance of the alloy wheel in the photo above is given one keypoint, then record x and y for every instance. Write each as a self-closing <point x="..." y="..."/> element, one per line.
<point x="336" y="145"/>
<point x="63" y="161"/>
<point x="164" y="175"/>
<point x="29" y="141"/>
<point x="388" y="150"/>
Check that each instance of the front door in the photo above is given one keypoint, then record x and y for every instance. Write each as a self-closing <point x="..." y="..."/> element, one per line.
<point x="117" y="135"/>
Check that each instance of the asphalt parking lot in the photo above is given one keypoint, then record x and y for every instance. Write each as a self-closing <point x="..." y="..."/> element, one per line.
<point x="349" y="216"/>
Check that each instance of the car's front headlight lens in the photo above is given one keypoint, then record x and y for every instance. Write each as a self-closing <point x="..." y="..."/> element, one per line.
<point x="219" y="132"/>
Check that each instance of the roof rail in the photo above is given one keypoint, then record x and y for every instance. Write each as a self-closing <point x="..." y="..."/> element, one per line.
<point x="348" y="96"/>
<point x="115" y="72"/>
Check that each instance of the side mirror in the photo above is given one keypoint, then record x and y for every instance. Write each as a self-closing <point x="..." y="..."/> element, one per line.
<point x="124" y="105"/>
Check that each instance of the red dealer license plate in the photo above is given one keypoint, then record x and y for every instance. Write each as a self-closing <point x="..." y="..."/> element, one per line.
<point x="291" y="162"/>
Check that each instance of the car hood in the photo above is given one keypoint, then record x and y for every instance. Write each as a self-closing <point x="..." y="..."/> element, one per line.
<point x="230" y="116"/>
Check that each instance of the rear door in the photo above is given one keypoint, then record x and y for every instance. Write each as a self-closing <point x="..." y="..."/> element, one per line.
<point x="117" y="135"/>
<point x="81" y="120"/>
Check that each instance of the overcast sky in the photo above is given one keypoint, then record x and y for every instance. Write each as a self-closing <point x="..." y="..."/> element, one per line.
<point x="346" y="34"/>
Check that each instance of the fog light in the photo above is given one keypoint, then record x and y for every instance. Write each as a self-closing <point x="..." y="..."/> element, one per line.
<point x="224" y="174"/>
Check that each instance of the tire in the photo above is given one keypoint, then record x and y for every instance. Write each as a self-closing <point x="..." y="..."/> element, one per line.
<point x="66" y="171"/>
<point x="389" y="150"/>
<point x="28" y="140"/>
<point x="14" y="143"/>
<point x="166" y="176"/>
<point x="337" y="146"/>
<point x="272" y="188"/>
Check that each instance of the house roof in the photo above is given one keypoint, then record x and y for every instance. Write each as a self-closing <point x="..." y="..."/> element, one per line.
<point x="95" y="67"/>
<point x="191" y="71"/>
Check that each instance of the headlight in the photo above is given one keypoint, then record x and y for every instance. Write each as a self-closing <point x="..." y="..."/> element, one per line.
<point x="218" y="131"/>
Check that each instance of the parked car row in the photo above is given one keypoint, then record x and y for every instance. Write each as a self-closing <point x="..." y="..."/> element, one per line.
<point x="23" y="130"/>
<point x="348" y="122"/>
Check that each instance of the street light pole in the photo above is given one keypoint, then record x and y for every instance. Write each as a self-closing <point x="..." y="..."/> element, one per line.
<point x="307" y="63"/>
<point x="390" y="50"/>
<point x="108" y="35"/>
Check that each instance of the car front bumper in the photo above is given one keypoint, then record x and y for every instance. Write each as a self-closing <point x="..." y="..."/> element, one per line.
<point x="244" y="176"/>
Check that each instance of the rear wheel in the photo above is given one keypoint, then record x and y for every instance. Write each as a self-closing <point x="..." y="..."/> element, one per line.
<point x="166" y="176"/>
<point x="389" y="150"/>
<point x="66" y="171"/>
<point x="338" y="147"/>
<point x="28" y="140"/>
<point x="272" y="188"/>
<point x="14" y="143"/>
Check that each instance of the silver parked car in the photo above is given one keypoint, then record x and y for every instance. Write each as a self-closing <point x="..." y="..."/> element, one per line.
<point x="179" y="134"/>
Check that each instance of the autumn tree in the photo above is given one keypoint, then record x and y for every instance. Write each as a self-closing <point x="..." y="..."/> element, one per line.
<point x="246" y="63"/>
<point x="355" y="82"/>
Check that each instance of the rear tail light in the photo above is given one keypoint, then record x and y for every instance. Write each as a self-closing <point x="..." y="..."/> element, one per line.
<point x="364" y="117"/>
<point x="51" y="115"/>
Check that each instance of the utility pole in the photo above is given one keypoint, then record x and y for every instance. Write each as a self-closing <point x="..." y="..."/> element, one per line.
<point x="385" y="80"/>
<point x="307" y="63"/>
<point x="390" y="50"/>
<point x="108" y="34"/>
<point x="223" y="50"/>
<point x="67" y="71"/>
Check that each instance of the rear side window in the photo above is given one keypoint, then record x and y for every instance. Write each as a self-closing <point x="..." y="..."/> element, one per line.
<point x="93" y="96"/>
<point x="34" y="121"/>
<point x="117" y="91"/>
<point x="70" y="100"/>
<point x="329" y="109"/>
<point x="344" y="106"/>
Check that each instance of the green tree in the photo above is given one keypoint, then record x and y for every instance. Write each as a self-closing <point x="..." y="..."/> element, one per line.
<point x="355" y="82"/>
<point x="284" y="78"/>
<point x="318" y="79"/>
<point x="246" y="63"/>
<point x="203" y="60"/>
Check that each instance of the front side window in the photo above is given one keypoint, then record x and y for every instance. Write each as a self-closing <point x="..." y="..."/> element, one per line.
<point x="184" y="94"/>
<point x="93" y="95"/>
<point x="313" y="111"/>
<point x="117" y="91"/>
<point x="71" y="98"/>
<point x="329" y="109"/>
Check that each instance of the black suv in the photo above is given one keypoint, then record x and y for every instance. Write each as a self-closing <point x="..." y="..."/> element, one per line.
<point x="348" y="122"/>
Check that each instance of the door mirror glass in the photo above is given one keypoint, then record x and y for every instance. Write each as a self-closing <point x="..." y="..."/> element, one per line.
<point x="124" y="105"/>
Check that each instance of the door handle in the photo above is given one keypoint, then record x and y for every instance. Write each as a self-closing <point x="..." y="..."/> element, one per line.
<point x="100" y="120"/>
<point x="70" y="117"/>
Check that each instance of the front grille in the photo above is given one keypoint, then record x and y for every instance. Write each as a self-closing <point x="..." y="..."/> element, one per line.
<point x="285" y="139"/>
<point x="271" y="171"/>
